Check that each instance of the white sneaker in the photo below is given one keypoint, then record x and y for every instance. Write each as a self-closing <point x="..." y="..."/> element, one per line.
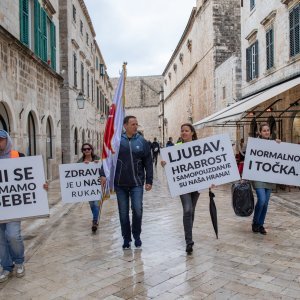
<point x="4" y="275"/>
<point x="20" y="270"/>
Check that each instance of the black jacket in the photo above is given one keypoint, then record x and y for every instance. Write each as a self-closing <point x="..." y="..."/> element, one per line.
<point x="134" y="165"/>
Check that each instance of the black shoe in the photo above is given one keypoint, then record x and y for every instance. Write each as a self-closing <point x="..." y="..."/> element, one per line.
<point x="126" y="245"/>
<point x="262" y="230"/>
<point x="94" y="227"/>
<point x="189" y="248"/>
<point x="255" y="228"/>
<point x="138" y="243"/>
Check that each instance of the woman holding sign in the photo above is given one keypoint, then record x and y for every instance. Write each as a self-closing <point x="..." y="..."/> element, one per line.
<point x="263" y="190"/>
<point x="89" y="156"/>
<point x="11" y="240"/>
<point x="189" y="201"/>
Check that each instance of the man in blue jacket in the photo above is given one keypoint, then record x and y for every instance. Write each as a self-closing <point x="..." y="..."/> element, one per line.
<point x="134" y="169"/>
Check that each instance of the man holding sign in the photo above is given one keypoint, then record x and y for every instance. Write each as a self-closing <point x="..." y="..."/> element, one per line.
<point x="11" y="241"/>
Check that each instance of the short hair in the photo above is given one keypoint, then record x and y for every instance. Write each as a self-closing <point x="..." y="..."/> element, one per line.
<point x="127" y="118"/>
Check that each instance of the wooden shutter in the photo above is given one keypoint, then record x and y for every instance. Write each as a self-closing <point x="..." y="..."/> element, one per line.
<point x="24" y="22"/>
<point x="294" y="31"/>
<point x="53" y="45"/>
<point x="248" y="64"/>
<point x="297" y="28"/>
<point x="43" y="35"/>
<point x="256" y="59"/>
<point x="37" y="28"/>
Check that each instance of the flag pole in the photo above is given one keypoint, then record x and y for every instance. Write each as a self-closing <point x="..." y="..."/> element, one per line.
<point x="124" y="82"/>
<point x="104" y="189"/>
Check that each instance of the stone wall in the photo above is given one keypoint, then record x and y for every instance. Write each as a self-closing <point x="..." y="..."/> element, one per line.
<point x="142" y="100"/>
<point x="27" y="85"/>
<point x="80" y="125"/>
<point x="284" y="65"/>
<point x="210" y="38"/>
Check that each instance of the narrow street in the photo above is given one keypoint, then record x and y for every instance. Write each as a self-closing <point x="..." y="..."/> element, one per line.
<point x="64" y="260"/>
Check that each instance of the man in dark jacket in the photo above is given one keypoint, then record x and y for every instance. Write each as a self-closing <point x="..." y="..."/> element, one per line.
<point x="155" y="150"/>
<point x="134" y="169"/>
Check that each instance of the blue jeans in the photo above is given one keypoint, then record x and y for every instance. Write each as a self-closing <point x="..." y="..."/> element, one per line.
<point x="11" y="245"/>
<point x="135" y="193"/>
<point x="261" y="207"/>
<point x="95" y="210"/>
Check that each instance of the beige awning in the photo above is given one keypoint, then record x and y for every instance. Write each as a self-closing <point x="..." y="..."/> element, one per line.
<point x="239" y="109"/>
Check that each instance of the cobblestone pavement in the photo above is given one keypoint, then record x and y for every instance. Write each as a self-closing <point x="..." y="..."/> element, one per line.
<point x="65" y="261"/>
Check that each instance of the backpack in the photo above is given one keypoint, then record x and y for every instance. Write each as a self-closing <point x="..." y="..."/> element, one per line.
<point x="242" y="199"/>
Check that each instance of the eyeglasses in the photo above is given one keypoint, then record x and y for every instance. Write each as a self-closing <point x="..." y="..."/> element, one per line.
<point x="86" y="149"/>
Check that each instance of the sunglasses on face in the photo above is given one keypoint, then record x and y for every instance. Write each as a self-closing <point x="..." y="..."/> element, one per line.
<point x="86" y="149"/>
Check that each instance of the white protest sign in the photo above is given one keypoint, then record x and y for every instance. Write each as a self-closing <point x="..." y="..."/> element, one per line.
<point x="199" y="164"/>
<point x="79" y="182"/>
<point x="269" y="161"/>
<point x="21" y="188"/>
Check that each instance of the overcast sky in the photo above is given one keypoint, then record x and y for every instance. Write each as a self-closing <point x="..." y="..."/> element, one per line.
<point x="143" y="33"/>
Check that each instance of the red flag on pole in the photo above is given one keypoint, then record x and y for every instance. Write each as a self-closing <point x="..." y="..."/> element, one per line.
<point x="113" y="131"/>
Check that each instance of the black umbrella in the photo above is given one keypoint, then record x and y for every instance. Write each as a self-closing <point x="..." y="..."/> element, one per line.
<point x="213" y="212"/>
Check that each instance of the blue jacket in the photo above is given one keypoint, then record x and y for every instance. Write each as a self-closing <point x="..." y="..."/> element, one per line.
<point x="134" y="161"/>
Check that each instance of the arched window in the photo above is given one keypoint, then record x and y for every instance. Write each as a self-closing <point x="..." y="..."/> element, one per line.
<point x="98" y="142"/>
<point x="76" y="141"/>
<point x="48" y="139"/>
<point x="3" y="124"/>
<point x="31" y="135"/>
<point x="4" y="118"/>
<point x="83" y="137"/>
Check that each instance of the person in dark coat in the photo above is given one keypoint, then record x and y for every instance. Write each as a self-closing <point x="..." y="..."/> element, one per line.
<point x="134" y="170"/>
<point x="155" y="150"/>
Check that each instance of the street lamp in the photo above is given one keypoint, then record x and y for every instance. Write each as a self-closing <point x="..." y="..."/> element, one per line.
<point x="80" y="100"/>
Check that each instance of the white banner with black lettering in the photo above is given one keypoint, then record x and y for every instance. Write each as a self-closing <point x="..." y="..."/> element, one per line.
<point x="21" y="188"/>
<point x="269" y="161"/>
<point x="199" y="164"/>
<point x="79" y="182"/>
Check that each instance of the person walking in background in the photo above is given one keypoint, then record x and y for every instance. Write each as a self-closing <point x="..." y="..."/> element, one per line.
<point x="170" y="142"/>
<point x="87" y="157"/>
<point x="179" y="140"/>
<point x="263" y="190"/>
<point x="134" y="169"/>
<point x="11" y="241"/>
<point x="242" y="150"/>
<point x="155" y="150"/>
<point x="189" y="200"/>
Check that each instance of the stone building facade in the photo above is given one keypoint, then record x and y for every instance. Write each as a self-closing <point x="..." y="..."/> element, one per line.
<point x="29" y="79"/>
<point x="196" y="81"/>
<point x="142" y="100"/>
<point x="84" y="71"/>
<point x="271" y="61"/>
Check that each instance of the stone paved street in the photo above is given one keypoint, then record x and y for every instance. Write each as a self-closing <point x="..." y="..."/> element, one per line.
<point x="65" y="261"/>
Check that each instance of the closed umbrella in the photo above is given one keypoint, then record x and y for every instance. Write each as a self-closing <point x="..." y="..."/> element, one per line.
<point x="213" y="212"/>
